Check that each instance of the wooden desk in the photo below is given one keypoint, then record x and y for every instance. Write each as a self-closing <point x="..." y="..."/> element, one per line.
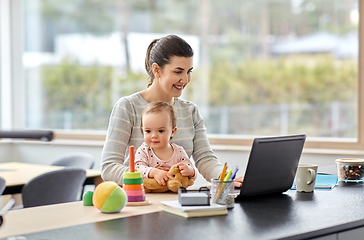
<point x="30" y="220"/>
<point x="335" y="214"/>
<point x="16" y="174"/>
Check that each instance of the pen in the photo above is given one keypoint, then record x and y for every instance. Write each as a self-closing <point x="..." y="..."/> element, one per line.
<point x="225" y="186"/>
<point x="233" y="175"/>
<point x="227" y="177"/>
<point x="231" y="178"/>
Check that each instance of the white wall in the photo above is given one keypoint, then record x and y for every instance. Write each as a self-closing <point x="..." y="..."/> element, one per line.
<point x="46" y="153"/>
<point x="5" y="152"/>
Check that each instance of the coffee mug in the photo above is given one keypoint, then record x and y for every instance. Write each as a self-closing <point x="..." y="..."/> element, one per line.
<point x="306" y="177"/>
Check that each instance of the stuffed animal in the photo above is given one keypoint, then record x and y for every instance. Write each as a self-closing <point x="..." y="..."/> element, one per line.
<point x="151" y="185"/>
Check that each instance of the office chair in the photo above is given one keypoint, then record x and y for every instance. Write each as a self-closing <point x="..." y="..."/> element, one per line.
<point x="77" y="159"/>
<point x="54" y="187"/>
<point x="2" y="185"/>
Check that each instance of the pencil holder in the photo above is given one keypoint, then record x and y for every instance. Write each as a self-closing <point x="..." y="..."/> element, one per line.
<point x="222" y="192"/>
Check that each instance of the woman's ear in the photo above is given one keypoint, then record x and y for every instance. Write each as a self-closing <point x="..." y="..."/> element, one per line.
<point x="156" y="70"/>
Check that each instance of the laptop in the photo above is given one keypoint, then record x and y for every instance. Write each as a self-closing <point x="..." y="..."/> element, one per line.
<point x="272" y="165"/>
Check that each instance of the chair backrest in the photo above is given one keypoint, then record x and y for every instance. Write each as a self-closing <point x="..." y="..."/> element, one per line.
<point x="2" y="185"/>
<point x="58" y="186"/>
<point x="77" y="159"/>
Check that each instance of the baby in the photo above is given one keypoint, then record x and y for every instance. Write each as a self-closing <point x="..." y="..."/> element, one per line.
<point x="158" y="125"/>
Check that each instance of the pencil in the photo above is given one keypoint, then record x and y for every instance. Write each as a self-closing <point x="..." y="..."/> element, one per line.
<point x="222" y="187"/>
<point x="221" y="178"/>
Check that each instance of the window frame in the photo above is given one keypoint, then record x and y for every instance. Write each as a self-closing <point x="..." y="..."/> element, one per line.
<point x="13" y="116"/>
<point x="12" y="84"/>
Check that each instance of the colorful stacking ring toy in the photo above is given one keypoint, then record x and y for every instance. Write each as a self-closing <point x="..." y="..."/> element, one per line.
<point x="133" y="183"/>
<point x="133" y="186"/>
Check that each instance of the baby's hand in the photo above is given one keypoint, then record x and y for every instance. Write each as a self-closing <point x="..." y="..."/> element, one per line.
<point x="185" y="170"/>
<point x="160" y="176"/>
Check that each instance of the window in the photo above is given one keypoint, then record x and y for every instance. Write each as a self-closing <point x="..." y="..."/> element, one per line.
<point x="2" y="53"/>
<point x="1" y="56"/>
<point x="269" y="67"/>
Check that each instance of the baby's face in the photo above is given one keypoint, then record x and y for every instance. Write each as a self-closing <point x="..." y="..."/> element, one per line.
<point x="157" y="129"/>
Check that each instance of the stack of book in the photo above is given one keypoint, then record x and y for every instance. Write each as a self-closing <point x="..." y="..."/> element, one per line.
<point x="175" y="207"/>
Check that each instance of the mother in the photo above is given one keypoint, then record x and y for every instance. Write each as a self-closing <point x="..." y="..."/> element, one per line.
<point x="169" y="64"/>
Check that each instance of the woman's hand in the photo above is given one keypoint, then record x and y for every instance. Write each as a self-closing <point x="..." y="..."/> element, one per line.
<point x="238" y="181"/>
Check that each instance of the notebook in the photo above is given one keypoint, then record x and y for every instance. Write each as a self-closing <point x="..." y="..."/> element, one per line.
<point x="272" y="165"/>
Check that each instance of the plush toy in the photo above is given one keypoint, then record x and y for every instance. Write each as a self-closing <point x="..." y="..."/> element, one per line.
<point x="151" y="185"/>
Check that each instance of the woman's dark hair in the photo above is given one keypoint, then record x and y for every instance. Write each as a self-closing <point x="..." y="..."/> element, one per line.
<point x="161" y="50"/>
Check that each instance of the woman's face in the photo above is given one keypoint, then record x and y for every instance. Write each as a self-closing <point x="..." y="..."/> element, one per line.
<point x="175" y="76"/>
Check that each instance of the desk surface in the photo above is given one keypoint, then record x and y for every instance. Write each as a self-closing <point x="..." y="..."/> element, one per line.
<point x="291" y="215"/>
<point x="29" y="220"/>
<point x="17" y="174"/>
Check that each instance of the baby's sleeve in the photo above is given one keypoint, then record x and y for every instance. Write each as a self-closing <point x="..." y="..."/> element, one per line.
<point x="141" y="161"/>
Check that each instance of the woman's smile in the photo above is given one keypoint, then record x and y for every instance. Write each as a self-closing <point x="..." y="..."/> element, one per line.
<point x="178" y="87"/>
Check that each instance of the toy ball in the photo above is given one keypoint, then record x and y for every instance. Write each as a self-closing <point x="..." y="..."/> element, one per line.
<point x="109" y="197"/>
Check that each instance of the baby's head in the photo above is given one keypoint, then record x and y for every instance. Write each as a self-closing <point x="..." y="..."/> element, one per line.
<point x="158" y="123"/>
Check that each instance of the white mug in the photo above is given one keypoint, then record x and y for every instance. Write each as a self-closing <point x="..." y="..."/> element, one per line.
<point x="306" y="177"/>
